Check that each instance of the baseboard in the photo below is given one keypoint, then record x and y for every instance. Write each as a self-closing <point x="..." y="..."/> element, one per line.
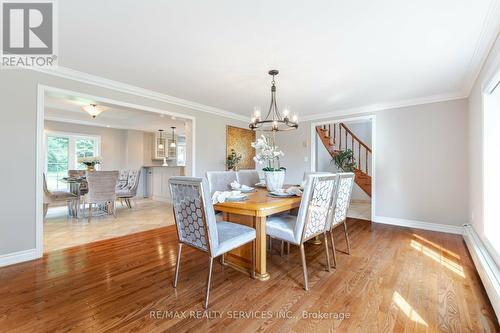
<point x="451" y="229"/>
<point x="485" y="265"/>
<point x="17" y="257"/>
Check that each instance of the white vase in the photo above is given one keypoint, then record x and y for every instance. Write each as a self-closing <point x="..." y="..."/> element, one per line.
<point x="274" y="180"/>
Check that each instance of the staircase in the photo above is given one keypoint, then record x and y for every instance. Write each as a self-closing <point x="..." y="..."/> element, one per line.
<point x="338" y="137"/>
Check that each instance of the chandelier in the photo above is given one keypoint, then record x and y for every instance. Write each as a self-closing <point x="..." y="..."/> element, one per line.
<point x="274" y="120"/>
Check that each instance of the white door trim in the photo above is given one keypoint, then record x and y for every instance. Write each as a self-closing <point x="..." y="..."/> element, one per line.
<point x="373" y="119"/>
<point x="40" y="116"/>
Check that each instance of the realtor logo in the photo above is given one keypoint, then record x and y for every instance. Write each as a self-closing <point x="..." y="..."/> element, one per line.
<point x="28" y="34"/>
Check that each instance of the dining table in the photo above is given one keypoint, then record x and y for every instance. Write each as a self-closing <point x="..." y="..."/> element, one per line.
<point x="253" y="212"/>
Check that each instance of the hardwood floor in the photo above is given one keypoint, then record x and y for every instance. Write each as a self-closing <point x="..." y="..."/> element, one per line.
<point x="396" y="280"/>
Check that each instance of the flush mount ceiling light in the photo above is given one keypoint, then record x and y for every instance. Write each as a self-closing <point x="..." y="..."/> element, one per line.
<point x="173" y="144"/>
<point x="274" y="121"/>
<point x="94" y="110"/>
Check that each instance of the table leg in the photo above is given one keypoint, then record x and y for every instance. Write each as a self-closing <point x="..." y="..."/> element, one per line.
<point x="260" y="249"/>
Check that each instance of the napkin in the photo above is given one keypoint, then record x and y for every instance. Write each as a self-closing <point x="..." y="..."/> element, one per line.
<point x="237" y="186"/>
<point x="220" y="196"/>
<point x="295" y="190"/>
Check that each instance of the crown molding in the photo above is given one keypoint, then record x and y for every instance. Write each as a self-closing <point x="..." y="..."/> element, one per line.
<point x="371" y="108"/>
<point x="71" y="74"/>
<point x="484" y="45"/>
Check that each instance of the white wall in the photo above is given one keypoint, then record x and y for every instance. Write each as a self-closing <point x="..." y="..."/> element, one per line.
<point x="421" y="163"/>
<point x="18" y="93"/>
<point x="476" y="133"/>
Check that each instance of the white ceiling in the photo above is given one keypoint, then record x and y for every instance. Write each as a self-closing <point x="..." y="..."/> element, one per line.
<point x="332" y="55"/>
<point x="66" y="108"/>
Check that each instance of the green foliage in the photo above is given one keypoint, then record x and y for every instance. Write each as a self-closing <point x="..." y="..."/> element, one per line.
<point x="57" y="154"/>
<point x="344" y="160"/>
<point x="233" y="160"/>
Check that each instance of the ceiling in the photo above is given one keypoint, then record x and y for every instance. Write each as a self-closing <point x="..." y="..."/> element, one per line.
<point x="66" y="108"/>
<point x="332" y="55"/>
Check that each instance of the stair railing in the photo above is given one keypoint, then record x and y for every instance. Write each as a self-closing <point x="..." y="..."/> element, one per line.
<point x="343" y="138"/>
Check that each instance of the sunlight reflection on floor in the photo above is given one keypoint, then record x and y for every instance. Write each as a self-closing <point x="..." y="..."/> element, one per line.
<point x="450" y="264"/>
<point x="407" y="309"/>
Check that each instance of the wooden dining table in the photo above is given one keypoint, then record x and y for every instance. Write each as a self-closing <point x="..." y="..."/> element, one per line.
<point x="253" y="212"/>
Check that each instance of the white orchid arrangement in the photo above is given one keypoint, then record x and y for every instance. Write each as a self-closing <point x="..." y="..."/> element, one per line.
<point x="268" y="152"/>
<point x="90" y="161"/>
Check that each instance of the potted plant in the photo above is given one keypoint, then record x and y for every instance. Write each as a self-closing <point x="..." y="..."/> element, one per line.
<point x="344" y="160"/>
<point x="233" y="160"/>
<point x="90" y="162"/>
<point x="269" y="154"/>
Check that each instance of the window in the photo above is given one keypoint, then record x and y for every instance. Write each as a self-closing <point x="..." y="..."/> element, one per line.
<point x="62" y="154"/>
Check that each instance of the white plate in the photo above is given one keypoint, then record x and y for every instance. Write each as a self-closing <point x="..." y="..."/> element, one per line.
<point x="281" y="194"/>
<point x="262" y="184"/>
<point x="238" y="197"/>
<point x="251" y="189"/>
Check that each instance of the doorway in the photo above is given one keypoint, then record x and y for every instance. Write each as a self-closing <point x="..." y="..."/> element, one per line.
<point x="342" y="145"/>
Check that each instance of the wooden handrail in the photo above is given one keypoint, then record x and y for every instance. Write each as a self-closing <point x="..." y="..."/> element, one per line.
<point x="342" y="125"/>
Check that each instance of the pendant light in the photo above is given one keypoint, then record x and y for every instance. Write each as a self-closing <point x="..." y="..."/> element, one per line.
<point x="173" y="144"/>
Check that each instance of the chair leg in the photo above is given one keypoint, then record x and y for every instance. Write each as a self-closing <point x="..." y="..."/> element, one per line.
<point x="304" y="267"/>
<point x="287" y="248"/>
<point x="327" y="252"/>
<point x="90" y="212"/>
<point x="333" y="250"/>
<point x="177" y="265"/>
<point x="121" y="201"/>
<point x="209" y="280"/>
<point x="282" y="248"/>
<point x="253" y="258"/>
<point x="347" y="238"/>
<point x="113" y="207"/>
<point x="222" y="262"/>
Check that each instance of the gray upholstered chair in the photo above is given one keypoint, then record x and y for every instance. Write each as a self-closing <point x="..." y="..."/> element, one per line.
<point x="122" y="179"/>
<point x="129" y="190"/>
<point x="52" y="197"/>
<point x="312" y="220"/>
<point x="102" y="186"/>
<point x="248" y="177"/>
<point x="196" y="225"/>
<point x="220" y="180"/>
<point x="340" y="207"/>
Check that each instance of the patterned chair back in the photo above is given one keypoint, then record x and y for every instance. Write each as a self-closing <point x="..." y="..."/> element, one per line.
<point x="102" y="186"/>
<point x="342" y="198"/>
<point x="122" y="179"/>
<point x="315" y="208"/>
<point x="248" y="177"/>
<point x="194" y="213"/>
<point x="220" y="180"/>
<point x="308" y="173"/>
<point x="133" y="180"/>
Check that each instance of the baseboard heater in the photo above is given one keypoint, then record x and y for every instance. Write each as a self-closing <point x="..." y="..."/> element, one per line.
<point x="486" y="267"/>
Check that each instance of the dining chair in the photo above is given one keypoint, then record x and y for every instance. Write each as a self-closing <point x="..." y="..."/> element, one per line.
<point x="220" y="180"/>
<point x="102" y="186"/>
<point x="307" y="173"/>
<point x="82" y="185"/>
<point x="340" y="207"/>
<point x="248" y="177"/>
<point x="312" y="219"/>
<point x="51" y="197"/>
<point x="196" y="226"/>
<point x="130" y="189"/>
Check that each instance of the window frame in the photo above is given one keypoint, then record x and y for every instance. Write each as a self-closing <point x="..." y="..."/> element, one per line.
<point x="72" y="137"/>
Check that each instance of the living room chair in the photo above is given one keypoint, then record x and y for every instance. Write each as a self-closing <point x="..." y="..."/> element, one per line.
<point x="102" y="187"/>
<point x="220" y="180"/>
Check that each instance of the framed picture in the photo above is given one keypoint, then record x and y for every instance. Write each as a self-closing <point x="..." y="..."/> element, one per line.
<point x="240" y="140"/>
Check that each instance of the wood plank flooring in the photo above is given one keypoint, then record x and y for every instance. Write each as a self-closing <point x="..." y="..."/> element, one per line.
<point x="396" y="280"/>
